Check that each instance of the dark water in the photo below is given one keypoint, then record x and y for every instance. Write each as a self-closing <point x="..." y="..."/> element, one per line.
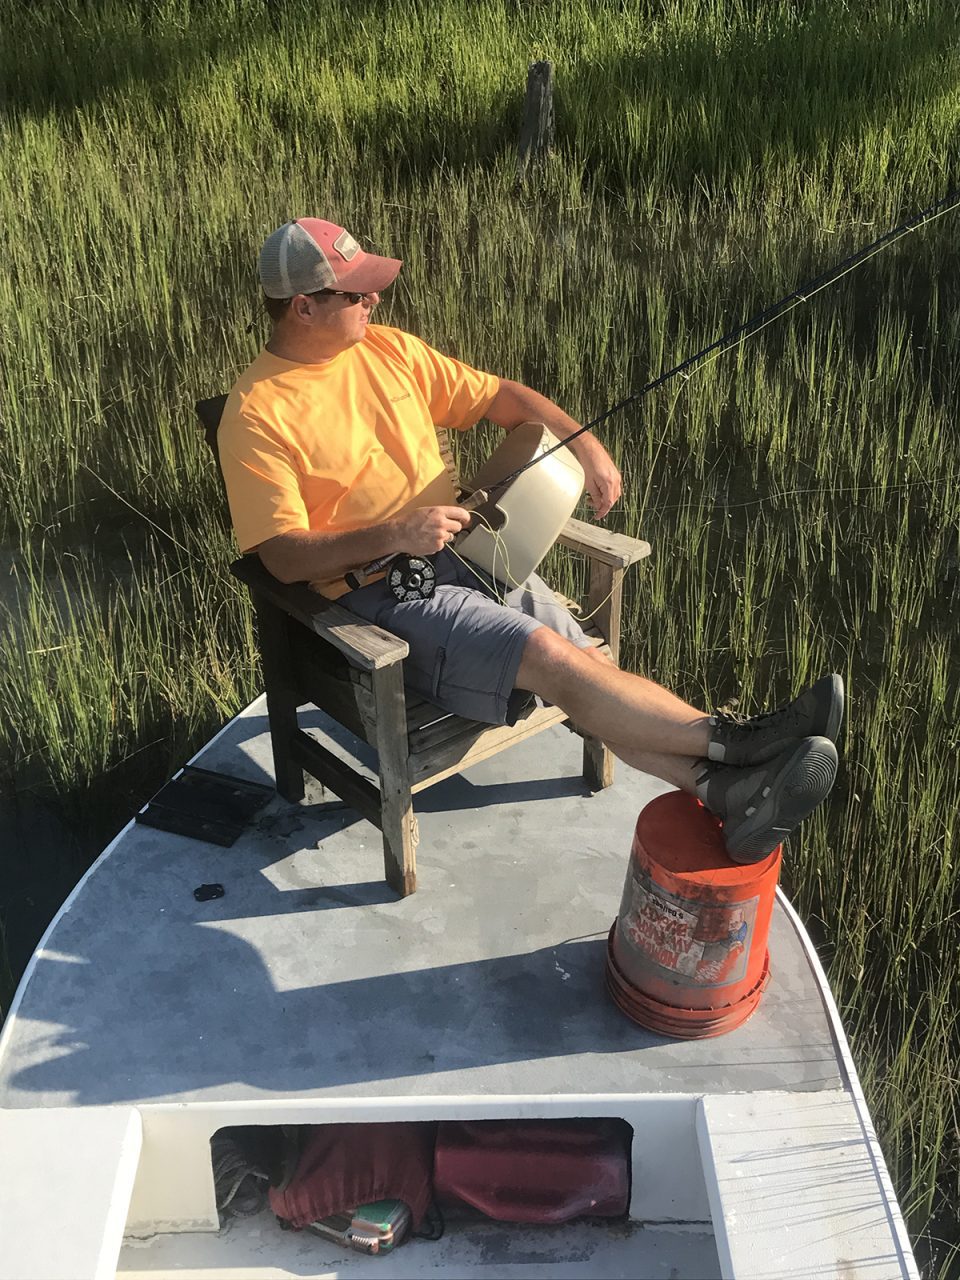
<point x="47" y="842"/>
<point x="40" y="862"/>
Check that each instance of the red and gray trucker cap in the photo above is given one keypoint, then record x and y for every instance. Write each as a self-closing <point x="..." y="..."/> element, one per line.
<point x="310" y="254"/>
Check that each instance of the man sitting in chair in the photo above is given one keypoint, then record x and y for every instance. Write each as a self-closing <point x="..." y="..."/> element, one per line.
<point x="330" y="457"/>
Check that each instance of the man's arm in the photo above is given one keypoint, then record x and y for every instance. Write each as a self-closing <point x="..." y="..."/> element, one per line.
<point x="301" y="556"/>
<point x="514" y="403"/>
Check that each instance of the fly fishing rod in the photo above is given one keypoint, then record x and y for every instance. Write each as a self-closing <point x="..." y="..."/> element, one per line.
<point x="413" y="577"/>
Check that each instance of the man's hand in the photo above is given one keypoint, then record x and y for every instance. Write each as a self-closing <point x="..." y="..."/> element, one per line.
<point x="515" y="403"/>
<point x="300" y="555"/>
<point x="429" y="529"/>
<point x="604" y="484"/>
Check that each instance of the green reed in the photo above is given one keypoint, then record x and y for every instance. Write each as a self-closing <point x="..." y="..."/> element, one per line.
<point x="802" y="492"/>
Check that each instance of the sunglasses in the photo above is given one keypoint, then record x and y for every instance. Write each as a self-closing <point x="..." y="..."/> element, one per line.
<point x="352" y="298"/>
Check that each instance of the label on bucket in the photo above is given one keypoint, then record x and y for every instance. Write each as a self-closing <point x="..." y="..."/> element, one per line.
<point x="707" y="943"/>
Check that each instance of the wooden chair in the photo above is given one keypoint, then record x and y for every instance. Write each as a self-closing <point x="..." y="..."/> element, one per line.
<point x="316" y="651"/>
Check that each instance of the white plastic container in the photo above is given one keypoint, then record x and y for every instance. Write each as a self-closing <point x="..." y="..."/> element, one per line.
<point x="527" y="516"/>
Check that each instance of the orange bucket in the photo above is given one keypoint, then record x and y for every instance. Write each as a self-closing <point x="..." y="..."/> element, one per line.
<point x="687" y="955"/>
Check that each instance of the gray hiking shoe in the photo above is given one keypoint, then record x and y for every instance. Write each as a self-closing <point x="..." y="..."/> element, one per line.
<point x="754" y="739"/>
<point x="761" y="804"/>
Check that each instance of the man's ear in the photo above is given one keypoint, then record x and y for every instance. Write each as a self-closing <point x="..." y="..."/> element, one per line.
<point x="301" y="308"/>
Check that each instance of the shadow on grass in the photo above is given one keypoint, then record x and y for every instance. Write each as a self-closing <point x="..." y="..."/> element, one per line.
<point x="77" y="60"/>
<point x="780" y="95"/>
<point x="730" y="99"/>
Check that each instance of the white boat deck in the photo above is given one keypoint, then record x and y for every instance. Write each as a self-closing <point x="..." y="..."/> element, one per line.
<point x="309" y="992"/>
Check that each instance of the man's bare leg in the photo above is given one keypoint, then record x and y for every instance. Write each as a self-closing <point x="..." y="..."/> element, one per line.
<point x="637" y="718"/>
<point x="678" y="770"/>
<point x="648" y="727"/>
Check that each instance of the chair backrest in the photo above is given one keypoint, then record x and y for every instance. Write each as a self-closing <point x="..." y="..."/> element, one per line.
<point x="446" y="453"/>
<point x="210" y="412"/>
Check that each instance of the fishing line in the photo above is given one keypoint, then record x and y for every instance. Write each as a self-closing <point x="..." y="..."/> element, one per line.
<point x="142" y="514"/>
<point x="225" y="578"/>
<point x="754" y="325"/>
<point x="805" y="293"/>
<point x="789" y="493"/>
<point x="501" y="549"/>
<point x="500" y="546"/>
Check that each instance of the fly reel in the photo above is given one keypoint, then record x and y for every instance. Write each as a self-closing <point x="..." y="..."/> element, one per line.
<point x="411" y="578"/>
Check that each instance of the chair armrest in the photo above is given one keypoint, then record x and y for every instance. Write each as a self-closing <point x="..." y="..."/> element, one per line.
<point x="616" y="549"/>
<point x="364" y="645"/>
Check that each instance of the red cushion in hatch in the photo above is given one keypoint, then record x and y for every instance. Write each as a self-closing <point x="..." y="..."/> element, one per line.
<point x="535" y="1170"/>
<point x="345" y="1165"/>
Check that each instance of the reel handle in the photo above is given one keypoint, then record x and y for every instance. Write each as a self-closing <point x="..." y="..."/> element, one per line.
<point x="360" y="577"/>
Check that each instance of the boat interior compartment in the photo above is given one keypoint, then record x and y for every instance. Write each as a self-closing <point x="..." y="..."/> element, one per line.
<point x="535" y="1171"/>
<point x="307" y="993"/>
<point x="470" y="1244"/>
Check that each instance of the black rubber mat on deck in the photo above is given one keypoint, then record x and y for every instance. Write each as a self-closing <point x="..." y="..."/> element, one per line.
<point x="205" y="805"/>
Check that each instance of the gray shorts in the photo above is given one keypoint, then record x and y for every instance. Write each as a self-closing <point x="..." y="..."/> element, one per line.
<point x="465" y="646"/>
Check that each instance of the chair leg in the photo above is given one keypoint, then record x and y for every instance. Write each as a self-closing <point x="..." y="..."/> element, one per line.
<point x="604" y="601"/>
<point x="281" y="699"/>
<point x="598" y="762"/>
<point x="398" y="823"/>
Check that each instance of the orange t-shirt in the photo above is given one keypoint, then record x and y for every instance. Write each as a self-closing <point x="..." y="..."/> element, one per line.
<point x="347" y="444"/>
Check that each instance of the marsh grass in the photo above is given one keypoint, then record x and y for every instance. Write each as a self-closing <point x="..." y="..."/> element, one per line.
<point x="802" y="492"/>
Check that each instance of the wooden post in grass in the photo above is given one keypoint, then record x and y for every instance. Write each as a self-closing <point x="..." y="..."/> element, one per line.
<point x="537" y="130"/>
